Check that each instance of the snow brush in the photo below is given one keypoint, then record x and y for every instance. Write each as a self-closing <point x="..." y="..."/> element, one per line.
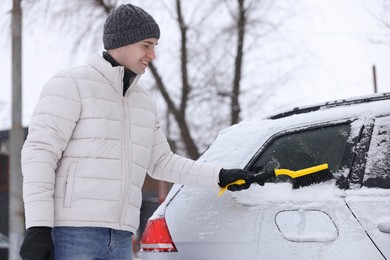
<point x="300" y="178"/>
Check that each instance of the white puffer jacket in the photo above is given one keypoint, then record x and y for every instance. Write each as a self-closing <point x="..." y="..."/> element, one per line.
<point x="89" y="148"/>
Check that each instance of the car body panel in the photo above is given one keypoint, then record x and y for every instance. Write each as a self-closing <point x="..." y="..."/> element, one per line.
<point x="371" y="207"/>
<point x="160" y="256"/>
<point x="337" y="234"/>
<point x="251" y="221"/>
<point x="224" y="224"/>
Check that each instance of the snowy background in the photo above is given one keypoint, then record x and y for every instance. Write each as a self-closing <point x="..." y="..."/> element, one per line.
<point x="344" y="39"/>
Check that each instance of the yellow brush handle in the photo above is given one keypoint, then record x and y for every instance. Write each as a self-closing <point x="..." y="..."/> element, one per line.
<point x="303" y="172"/>
<point x="237" y="182"/>
<point x="292" y="174"/>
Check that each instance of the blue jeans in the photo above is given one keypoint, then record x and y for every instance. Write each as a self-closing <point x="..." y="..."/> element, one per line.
<point x="91" y="243"/>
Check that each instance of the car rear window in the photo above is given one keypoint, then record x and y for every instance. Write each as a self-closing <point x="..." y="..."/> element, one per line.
<point x="306" y="148"/>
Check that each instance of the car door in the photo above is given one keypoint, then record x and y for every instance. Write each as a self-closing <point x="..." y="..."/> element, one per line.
<point x="312" y="222"/>
<point x="370" y="201"/>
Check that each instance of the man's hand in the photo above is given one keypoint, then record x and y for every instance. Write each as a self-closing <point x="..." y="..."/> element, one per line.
<point x="37" y="244"/>
<point x="227" y="176"/>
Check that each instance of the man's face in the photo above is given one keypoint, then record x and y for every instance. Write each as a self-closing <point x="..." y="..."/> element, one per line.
<point x="136" y="56"/>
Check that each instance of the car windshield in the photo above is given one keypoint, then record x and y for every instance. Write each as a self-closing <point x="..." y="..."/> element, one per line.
<point x="302" y="149"/>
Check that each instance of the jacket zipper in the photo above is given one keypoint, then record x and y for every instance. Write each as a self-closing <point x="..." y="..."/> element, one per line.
<point x="125" y="161"/>
<point x="126" y="135"/>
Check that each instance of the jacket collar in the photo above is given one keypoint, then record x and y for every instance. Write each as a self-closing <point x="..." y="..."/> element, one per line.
<point x="128" y="76"/>
<point x="113" y="74"/>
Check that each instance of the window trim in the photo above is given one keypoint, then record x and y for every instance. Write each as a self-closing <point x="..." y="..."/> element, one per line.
<point x="358" y="165"/>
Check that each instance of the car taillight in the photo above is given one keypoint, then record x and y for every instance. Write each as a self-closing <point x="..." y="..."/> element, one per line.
<point x="156" y="237"/>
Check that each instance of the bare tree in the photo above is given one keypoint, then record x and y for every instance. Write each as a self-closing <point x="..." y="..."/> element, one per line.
<point x="179" y="112"/>
<point x="383" y="17"/>
<point x="78" y="21"/>
<point x="241" y="25"/>
<point x="218" y="72"/>
<point x="212" y="42"/>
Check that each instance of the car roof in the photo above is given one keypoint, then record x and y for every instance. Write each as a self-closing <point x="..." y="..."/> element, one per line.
<point x="332" y="104"/>
<point x="235" y="145"/>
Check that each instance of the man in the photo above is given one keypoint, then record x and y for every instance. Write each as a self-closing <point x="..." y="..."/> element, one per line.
<point x="93" y="136"/>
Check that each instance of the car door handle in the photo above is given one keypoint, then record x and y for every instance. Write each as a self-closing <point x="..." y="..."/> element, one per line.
<point x="384" y="227"/>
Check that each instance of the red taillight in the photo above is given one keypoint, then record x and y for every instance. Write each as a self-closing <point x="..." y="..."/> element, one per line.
<point x="156" y="237"/>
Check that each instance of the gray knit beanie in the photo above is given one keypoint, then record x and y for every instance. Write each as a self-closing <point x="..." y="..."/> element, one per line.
<point x="128" y="24"/>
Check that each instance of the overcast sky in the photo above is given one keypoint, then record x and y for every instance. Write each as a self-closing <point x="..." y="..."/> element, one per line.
<point x="342" y="35"/>
<point x="339" y="33"/>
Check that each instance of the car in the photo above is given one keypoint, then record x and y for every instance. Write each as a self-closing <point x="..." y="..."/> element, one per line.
<point x="347" y="217"/>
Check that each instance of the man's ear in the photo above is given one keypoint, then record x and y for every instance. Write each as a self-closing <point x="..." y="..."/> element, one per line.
<point x="116" y="54"/>
<point x="113" y="52"/>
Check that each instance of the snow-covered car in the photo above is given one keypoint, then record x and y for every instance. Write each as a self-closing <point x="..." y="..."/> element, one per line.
<point x="347" y="217"/>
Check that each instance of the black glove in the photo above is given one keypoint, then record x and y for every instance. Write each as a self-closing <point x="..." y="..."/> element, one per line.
<point x="37" y="244"/>
<point x="268" y="172"/>
<point x="227" y="176"/>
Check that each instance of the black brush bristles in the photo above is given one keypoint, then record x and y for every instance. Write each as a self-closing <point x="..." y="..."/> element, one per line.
<point x="312" y="178"/>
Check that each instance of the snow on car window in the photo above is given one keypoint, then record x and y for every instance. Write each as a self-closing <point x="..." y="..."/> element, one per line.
<point x="272" y="193"/>
<point x="378" y="157"/>
<point x="307" y="148"/>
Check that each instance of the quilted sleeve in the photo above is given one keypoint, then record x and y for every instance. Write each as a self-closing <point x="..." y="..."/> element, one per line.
<point x="50" y="129"/>
<point x="167" y="166"/>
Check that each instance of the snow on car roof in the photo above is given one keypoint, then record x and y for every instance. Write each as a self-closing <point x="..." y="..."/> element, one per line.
<point x="329" y="104"/>
<point x="236" y="145"/>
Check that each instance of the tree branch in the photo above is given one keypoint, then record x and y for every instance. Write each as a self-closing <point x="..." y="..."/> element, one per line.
<point x="184" y="130"/>
<point x="235" y="103"/>
<point x="183" y="59"/>
<point x="107" y="7"/>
